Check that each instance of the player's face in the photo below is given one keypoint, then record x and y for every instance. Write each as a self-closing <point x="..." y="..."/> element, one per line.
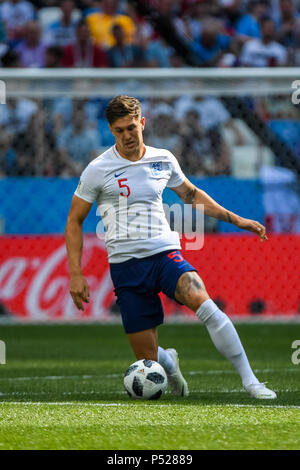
<point x="128" y="132"/>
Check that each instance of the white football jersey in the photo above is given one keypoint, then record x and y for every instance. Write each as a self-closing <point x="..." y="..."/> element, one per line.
<point x="129" y="199"/>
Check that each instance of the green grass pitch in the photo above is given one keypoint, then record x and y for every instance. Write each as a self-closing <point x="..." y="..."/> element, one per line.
<point x="62" y="388"/>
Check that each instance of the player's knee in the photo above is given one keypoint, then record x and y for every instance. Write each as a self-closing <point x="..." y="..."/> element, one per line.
<point x="196" y="299"/>
<point x="191" y="290"/>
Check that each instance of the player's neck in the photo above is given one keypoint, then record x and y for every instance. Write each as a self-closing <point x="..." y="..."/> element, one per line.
<point x="135" y="155"/>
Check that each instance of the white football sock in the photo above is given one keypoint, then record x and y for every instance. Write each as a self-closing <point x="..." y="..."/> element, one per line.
<point x="226" y="339"/>
<point x="165" y="360"/>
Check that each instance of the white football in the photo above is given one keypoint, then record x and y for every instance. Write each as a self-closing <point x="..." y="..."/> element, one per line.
<point x="146" y="380"/>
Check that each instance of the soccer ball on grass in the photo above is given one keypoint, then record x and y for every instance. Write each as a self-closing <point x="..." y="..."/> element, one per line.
<point x="146" y="380"/>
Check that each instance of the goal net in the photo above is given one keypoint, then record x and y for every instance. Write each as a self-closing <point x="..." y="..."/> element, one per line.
<point x="236" y="135"/>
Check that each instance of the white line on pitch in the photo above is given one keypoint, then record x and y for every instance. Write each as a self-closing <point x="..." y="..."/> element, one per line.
<point x="229" y="371"/>
<point x="115" y="375"/>
<point x="227" y="405"/>
<point x="60" y="377"/>
<point x="66" y="403"/>
<point x="120" y="392"/>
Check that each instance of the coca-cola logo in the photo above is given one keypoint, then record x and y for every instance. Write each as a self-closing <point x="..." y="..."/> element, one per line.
<point x="36" y="284"/>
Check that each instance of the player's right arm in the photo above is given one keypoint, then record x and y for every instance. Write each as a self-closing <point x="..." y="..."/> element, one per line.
<point x="79" y="289"/>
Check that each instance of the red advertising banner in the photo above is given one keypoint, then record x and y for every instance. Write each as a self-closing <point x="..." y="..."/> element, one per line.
<point x="242" y="274"/>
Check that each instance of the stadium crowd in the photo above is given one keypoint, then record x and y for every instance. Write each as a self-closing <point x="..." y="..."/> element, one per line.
<point x="59" y="136"/>
<point x="50" y="137"/>
<point x="109" y="33"/>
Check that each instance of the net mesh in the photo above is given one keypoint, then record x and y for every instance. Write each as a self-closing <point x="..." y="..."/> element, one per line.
<point x="236" y="138"/>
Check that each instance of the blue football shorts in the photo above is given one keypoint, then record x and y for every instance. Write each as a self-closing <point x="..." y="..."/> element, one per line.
<point x="138" y="282"/>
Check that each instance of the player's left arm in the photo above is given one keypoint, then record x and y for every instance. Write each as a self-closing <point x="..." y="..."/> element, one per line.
<point x="190" y="194"/>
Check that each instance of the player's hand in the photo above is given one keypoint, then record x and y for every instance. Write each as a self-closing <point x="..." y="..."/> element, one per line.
<point x="253" y="226"/>
<point x="79" y="290"/>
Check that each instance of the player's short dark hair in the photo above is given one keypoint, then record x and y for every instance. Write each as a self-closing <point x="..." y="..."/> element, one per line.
<point x="121" y="106"/>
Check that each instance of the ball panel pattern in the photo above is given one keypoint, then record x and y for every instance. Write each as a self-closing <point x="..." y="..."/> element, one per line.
<point x="156" y="377"/>
<point x="137" y="387"/>
<point x="148" y="362"/>
<point x="131" y="369"/>
<point x="156" y="395"/>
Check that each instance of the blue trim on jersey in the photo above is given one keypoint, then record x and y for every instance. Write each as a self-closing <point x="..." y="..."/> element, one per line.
<point x="138" y="282"/>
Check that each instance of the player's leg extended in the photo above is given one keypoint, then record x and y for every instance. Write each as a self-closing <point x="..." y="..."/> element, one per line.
<point x="190" y="291"/>
<point x="145" y="344"/>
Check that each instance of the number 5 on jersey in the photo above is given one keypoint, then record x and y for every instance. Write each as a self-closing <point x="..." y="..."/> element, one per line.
<point x="123" y="185"/>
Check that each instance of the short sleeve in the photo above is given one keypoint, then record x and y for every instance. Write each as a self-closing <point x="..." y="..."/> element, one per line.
<point x="89" y="186"/>
<point x="177" y="176"/>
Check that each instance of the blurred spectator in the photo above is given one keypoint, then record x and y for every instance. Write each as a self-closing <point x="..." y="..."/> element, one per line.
<point x="44" y="3"/>
<point x="83" y="53"/>
<point x="15" y="14"/>
<point x="53" y="57"/>
<point x="15" y="120"/>
<point x="169" y="8"/>
<point x="277" y="109"/>
<point x="164" y="129"/>
<point x="10" y="59"/>
<point x="61" y="110"/>
<point x="296" y="54"/>
<point x="144" y="31"/>
<point x="176" y="60"/>
<point x="2" y="32"/>
<point x="124" y="55"/>
<point x="15" y="115"/>
<point x="3" y="45"/>
<point x="101" y="23"/>
<point x="211" y="44"/>
<point x="77" y="144"/>
<point x="288" y="25"/>
<point x="211" y="113"/>
<point x="204" y="151"/>
<point x="220" y="162"/>
<point x="231" y="11"/>
<point x="210" y="110"/>
<point x="249" y="24"/>
<point x="158" y="53"/>
<point x="40" y="143"/>
<point x="274" y="10"/>
<point x="195" y="145"/>
<point x="213" y="117"/>
<point x="62" y="32"/>
<point x="89" y="6"/>
<point x="32" y="49"/>
<point x="193" y="17"/>
<point x="264" y="52"/>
